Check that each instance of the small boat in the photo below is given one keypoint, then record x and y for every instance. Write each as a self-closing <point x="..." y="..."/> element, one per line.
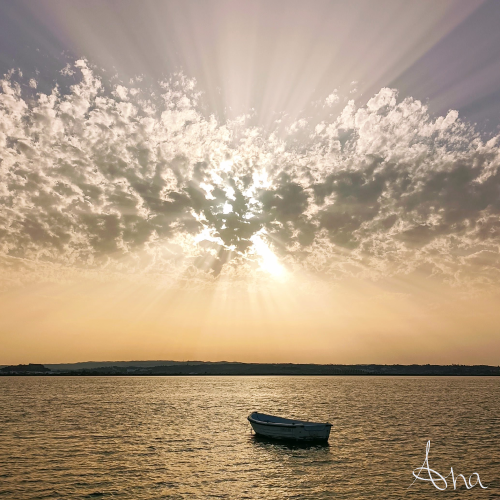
<point x="286" y="429"/>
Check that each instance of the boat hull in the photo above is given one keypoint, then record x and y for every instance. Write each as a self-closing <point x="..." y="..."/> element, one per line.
<point x="289" y="430"/>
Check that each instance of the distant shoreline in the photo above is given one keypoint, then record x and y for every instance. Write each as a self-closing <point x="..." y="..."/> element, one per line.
<point x="172" y="368"/>
<point x="244" y="375"/>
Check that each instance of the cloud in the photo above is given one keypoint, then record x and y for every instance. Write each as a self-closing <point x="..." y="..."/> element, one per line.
<point x="124" y="179"/>
<point x="332" y="99"/>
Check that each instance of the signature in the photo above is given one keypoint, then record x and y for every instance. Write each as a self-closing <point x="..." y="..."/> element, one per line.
<point x="438" y="480"/>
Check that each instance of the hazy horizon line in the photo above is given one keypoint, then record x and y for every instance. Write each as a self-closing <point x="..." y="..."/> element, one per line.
<point x="240" y="362"/>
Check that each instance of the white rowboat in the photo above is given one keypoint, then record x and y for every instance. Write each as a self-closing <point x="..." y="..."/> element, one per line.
<point x="286" y="429"/>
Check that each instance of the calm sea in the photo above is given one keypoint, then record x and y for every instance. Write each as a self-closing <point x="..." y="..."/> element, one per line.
<point x="188" y="437"/>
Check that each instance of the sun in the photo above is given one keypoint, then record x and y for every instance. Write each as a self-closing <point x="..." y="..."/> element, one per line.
<point x="268" y="261"/>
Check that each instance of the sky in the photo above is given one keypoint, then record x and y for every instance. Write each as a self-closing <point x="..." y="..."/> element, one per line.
<point x="250" y="181"/>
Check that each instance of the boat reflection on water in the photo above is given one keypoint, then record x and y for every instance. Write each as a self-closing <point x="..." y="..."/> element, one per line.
<point x="287" y="444"/>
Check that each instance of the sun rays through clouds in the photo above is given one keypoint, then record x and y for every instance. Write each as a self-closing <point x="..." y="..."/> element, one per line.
<point x="120" y="179"/>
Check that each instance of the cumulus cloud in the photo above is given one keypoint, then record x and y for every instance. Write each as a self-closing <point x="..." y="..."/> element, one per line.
<point x="332" y="99"/>
<point x="142" y="182"/>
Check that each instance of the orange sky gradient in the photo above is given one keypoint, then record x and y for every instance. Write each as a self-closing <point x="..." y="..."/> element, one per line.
<point x="350" y="323"/>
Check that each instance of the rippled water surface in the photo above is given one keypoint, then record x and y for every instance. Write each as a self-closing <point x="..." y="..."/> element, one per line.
<point x="188" y="437"/>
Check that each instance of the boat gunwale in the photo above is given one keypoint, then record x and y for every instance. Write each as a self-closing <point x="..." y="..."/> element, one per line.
<point x="297" y="423"/>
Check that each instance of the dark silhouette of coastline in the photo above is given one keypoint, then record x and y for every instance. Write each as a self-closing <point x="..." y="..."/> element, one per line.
<point x="173" y="368"/>
<point x="31" y="369"/>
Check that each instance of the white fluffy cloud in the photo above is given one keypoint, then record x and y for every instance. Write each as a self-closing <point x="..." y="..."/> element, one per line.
<point x="143" y="183"/>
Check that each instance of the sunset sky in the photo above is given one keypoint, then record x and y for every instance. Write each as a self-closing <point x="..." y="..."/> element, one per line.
<point x="274" y="181"/>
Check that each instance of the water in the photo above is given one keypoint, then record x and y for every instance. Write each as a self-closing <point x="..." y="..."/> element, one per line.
<point x="188" y="437"/>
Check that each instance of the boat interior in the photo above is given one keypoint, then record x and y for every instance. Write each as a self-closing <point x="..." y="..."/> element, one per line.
<point x="271" y="419"/>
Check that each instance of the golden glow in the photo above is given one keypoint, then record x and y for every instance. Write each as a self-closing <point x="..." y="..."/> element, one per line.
<point x="268" y="261"/>
<point x="294" y="320"/>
